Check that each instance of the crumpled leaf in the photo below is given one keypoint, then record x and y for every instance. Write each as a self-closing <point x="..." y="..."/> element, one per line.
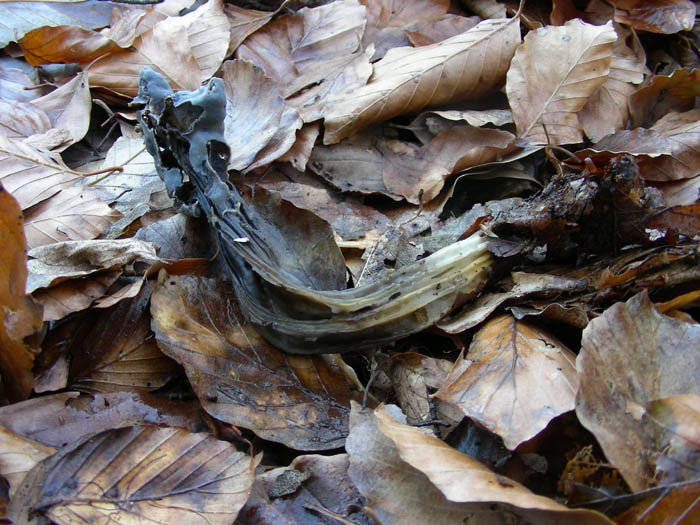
<point x="632" y="355"/>
<point x="260" y="126"/>
<point x="60" y="419"/>
<point x="162" y="475"/>
<point x="656" y="16"/>
<point x="57" y="262"/>
<point x="607" y="109"/>
<point x="20" y="317"/>
<point x="545" y="93"/>
<point x="312" y="489"/>
<point x="300" y="401"/>
<point x="405" y="475"/>
<point x="664" y="93"/>
<point x="500" y="382"/>
<point x="410" y="79"/>
<point x="18" y="455"/>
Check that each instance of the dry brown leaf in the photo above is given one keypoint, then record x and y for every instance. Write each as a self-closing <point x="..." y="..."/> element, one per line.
<point x="19" y="120"/>
<point x="138" y="474"/>
<point x="260" y="126"/>
<point x="17" y="86"/>
<point x="113" y="349"/>
<point x="441" y="29"/>
<point x="656" y="16"/>
<point x="243" y="23"/>
<point x="64" y="45"/>
<point x="311" y="490"/>
<point x="69" y="108"/>
<point x="674" y="504"/>
<point x="20" y="316"/>
<point x="57" y="262"/>
<point x="606" y="110"/>
<point x="431" y="123"/>
<point x="208" y="32"/>
<point x="307" y="47"/>
<point x="30" y="174"/>
<point x="166" y="48"/>
<point x="682" y="219"/>
<point x="631" y="355"/>
<point x="72" y="214"/>
<point x="419" y="174"/>
<point x="680" y="193"/>
<point x="300" y="401"/>
<point x="18" y="455"/>
<point x="515" y="379"/>
<point x="73" y="295"/>
<point x="298" y="155"/>
<point x="675" y="92"/>
<point x="545" y="93"/>
<point x="60" y="419"/>
<point x="407" y="476"/>
<point x="410" y="79"/>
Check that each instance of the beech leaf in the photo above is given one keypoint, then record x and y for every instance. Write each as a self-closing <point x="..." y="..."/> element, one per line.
<point x="545" y="92"/>
<point x="408" y="79"/>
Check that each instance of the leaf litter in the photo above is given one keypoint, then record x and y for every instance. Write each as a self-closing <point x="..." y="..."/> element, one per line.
<point x="491" y="211"/>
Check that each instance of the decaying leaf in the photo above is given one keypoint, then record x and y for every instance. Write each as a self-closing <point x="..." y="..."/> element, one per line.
<point x="664" y="93"/>
<point x="409" y="79"/>
<point x="407" y="476"/>
<point x="675" y="503"/>
<point x="300" y="401"/>
<point x="658" y="16"/>
<point x="20" y="316"/>
<point x="163" y="475"/>
<point x="18" y="455"/>
<point x="546" y="95"/>
<point x="515" y="379"/>
<point x="654" y="357"/>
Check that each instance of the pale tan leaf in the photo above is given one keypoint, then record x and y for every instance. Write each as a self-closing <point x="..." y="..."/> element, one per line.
<point x="19" y="120"/>
<point x="141" y="474"/>
<point x="18" y="455"/>
<point x="409" y="79"/>
<point x="305" y="48"/>
<point x="486" y="8"/>
<point x="166" y="48"/>
<point x="31" y="175"/>
<point x="407" y="476"/>
<point x="243" y="23"/>
<point x="501" y="384"/>
<point x="72" y="214"/>
<point x="298" y="155"/>
<point x="57" y="262"/>
<point x="657" y="16"/>
<point x="632" y="355"/>
<point x="682" y="192"/>
<point x="259" y="125"/>
<point x="607" y="109"/>
<point x="69" y="108"/>
<point x="208" y="33"/>
<point x="19" y="316"/>
<point x="549" y="93"/>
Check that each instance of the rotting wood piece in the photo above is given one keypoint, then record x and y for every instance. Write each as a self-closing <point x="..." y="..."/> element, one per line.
<point x="277" y="292"/>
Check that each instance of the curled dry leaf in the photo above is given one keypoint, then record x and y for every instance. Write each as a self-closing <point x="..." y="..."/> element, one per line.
<point x="259" y="125"/>
<point x="675" y="92"/>
<point x="607" y="109"/>
<point x="546" y="95"/>
<point x="407" y="476"/>
<point x="312" y="489"/>
<point x="137" y="474"/>
<point x="60" y="419"/>
<point x="208" y="31"/>
<point x="409" y="79"/>
<point x="166" y="47"/>
<point x="57" y="262"/>
<point x="243" y="23"/>
<point x="20" y="316"/>
<point x="18" y="455"/>
<point x="64" y="45"/>
<point x="515" y="380"/>
<point x="300" y="401"/>
<point x="630" y="356"/>
<point x="656" y="16"/>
